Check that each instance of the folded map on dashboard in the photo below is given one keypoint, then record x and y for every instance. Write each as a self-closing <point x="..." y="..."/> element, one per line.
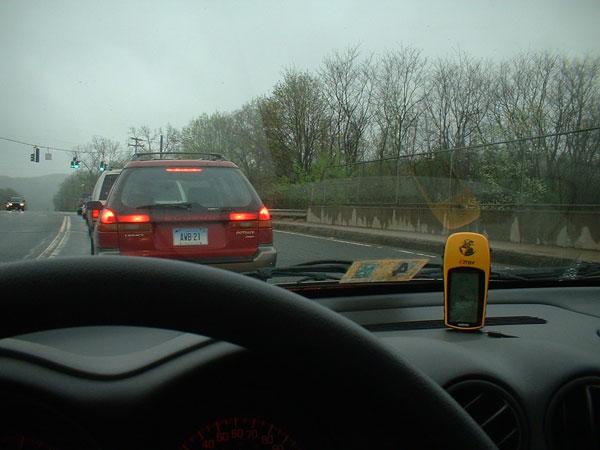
<point x="383" y="270"/>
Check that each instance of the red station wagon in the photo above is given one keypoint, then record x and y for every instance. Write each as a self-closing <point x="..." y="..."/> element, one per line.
<point x="203" y="211"/>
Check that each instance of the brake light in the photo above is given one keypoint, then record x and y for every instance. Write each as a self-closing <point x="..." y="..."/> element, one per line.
<point x="237" y="217"/>
<point x="183" y="169"/>
<point x="107" y="221"/>
<point x="134" y="222"/>
<point x="265" y="226"/>
<point x="264" y="218"/>
<point x="108" y="216"/>
<point x="134" y="218"/>
<point x="251" y="220"/>
<point x="95" y="213"/>
<point x="264" y="214"/>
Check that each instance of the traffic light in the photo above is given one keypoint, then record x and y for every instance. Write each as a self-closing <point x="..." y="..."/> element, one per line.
<point x="103" y="166"/>
<point x="75" y="164"/>
<point x="35" y="156"/>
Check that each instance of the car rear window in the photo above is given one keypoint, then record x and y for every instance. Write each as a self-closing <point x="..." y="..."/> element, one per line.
<point x="210" y="187"/>
<point x="108" y="182"/>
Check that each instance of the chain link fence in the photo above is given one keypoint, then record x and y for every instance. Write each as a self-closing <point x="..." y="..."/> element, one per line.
<point x="560" y="170"/>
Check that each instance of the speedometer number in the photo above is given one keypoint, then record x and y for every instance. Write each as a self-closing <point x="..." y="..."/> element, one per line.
<point x="240" y="433"/>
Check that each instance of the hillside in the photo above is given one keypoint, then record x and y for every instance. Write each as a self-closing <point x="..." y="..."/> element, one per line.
<point x="38" y="191"/>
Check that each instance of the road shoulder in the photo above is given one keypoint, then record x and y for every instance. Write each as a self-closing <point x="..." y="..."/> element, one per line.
<point x="503" y="252"/>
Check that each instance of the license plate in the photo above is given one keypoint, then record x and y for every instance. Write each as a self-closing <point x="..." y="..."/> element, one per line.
<point x="190" y="236"/>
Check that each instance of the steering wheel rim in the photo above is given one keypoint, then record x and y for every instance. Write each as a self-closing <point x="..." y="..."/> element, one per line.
<point x="233" y="308"/>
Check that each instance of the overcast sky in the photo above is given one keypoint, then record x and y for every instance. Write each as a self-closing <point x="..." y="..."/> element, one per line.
<point x="70" y="70"/>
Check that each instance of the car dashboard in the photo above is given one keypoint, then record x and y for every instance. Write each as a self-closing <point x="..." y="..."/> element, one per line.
<point x="530" y="378"/>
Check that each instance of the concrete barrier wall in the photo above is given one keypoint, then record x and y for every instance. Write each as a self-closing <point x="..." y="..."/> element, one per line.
<point x="563" y="228"/>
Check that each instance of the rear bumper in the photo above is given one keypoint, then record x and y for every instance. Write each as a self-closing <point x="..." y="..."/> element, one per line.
<point x="265" y="257"/>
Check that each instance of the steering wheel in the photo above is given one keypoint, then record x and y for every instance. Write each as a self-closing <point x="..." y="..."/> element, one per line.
<point x="46" y="294"/>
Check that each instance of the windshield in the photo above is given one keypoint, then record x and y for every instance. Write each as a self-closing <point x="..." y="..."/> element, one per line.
<point x="261" y="135"/>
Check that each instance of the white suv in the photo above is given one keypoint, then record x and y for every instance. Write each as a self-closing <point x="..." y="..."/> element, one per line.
<point x="100" y="193"/>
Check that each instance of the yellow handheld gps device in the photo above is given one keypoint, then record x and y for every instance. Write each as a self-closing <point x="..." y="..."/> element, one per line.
<point x="467" y="262"/>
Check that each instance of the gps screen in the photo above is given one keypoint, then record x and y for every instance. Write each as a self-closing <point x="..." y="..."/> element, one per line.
<point x="464" y="298"/>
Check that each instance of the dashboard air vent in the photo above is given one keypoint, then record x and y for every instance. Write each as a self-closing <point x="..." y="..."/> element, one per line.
<point x="573" y="421"/>
<point x="494" y="409"/>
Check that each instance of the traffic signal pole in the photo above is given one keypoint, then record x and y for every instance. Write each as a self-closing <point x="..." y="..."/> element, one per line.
<point x="136" y="143"/>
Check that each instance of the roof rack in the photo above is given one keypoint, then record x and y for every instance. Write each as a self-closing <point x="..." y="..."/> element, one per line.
<point x="165" y="155"/>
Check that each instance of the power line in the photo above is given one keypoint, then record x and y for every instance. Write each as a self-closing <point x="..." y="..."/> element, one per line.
<point x="466" y="148"/>
<point x="47" y="147"/>
<point x="489" y="144"/>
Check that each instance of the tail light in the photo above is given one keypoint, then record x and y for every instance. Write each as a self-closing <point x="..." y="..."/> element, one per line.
<point x="95" y="214"/>
<point x="134" y="222"/>
<point x="134" y="218"/>
<point x="243" y="219"/>
<point x="242" y="216"/>
<point x="265" y="226"/>
<point x="109" y="221"/>
<point x="251" y="220"/>
<point x="108" y="217"/>
<point x="264" y="218"/>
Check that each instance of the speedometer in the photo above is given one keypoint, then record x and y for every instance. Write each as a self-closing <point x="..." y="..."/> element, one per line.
<point x="240" y="433"/>
<point x="22" y="442"/>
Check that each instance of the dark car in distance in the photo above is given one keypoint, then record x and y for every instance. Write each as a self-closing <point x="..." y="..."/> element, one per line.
<point x="16" y="204"/>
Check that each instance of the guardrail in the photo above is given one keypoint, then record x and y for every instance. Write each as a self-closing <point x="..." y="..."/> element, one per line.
<point x="283" y="213"/>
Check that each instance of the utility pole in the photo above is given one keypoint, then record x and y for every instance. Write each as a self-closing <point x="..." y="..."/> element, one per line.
<point x="136" y="143"/>
<point x="161" y="145"/>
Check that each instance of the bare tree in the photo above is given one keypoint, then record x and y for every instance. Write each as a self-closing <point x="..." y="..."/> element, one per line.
<point x="523" y="96"/>
<point x="150" y="138"/>
<point x="348" y="85"/>
<point x="575" y="161"/>
<point x="399" y="93"/>
<point x="458" y="101"/>
<point x="101" y="149"/>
